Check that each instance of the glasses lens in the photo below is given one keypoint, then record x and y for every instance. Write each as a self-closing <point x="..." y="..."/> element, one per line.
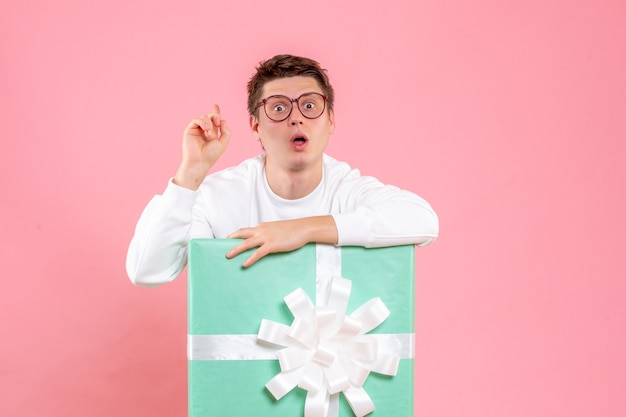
<point x="277" y="107"/>
<point x="311" y="105"/>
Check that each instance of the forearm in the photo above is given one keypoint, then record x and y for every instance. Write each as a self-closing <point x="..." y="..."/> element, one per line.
<point x="283" y="236"/>
<point x="157" y="252"/>
<point x="387" y="216"/>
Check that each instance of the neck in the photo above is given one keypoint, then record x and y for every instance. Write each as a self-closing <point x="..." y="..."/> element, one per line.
<point x="293" y="184"/>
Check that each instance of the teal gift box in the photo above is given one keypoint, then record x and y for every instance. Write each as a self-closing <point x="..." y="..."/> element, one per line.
<point x="227" y="303"/>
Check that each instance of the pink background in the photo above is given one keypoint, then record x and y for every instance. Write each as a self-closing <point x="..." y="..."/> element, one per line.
<point x="508" y="116"/>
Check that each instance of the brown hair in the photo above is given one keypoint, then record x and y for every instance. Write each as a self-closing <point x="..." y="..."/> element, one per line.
<point x="283" y="66"/>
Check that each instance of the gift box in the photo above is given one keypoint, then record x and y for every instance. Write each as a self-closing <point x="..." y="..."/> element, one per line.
<point x="231" y="362"/>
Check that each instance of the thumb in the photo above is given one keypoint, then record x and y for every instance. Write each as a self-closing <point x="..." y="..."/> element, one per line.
<point x="225" y="130"/>
<point x="216" y="116"/>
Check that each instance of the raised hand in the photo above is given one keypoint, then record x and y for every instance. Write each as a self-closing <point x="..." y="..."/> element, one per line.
<point x="204" y="140"/>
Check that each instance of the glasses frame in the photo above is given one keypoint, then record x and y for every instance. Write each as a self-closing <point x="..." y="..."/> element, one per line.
<point x="292" y="100"/>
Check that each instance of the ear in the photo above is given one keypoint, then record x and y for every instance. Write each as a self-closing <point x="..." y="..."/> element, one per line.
<point x="331" y="120"/>
<point x="254" y="127"/>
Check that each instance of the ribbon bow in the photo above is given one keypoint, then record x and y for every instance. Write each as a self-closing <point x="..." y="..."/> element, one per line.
<point x="327" y="352"/>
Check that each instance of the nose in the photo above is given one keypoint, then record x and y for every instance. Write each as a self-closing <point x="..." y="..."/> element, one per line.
<point x="295" y="117"/>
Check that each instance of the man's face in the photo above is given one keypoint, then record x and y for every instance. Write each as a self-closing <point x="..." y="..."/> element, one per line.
<point x="297" y="142"/>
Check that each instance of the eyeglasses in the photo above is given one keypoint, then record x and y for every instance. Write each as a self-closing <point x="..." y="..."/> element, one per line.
<point x="278" y="108"/>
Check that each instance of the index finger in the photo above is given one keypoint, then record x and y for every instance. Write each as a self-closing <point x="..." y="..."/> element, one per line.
<point x="244" y="245"/>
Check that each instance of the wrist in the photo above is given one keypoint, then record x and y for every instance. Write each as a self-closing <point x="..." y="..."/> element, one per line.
<point x="322" y="229"/>
<point x="190" y="175"/>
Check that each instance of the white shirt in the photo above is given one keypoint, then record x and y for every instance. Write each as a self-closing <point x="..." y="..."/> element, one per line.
<point x="366" y="213"/>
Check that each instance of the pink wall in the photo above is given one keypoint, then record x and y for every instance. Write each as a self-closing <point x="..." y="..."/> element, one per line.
<point x="508" y="116"/>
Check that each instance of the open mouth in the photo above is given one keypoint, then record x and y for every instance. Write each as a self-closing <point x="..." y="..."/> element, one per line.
<point x="299" y="140"/>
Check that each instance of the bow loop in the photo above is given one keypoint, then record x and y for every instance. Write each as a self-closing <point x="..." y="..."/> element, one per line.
<point x="371" y="314"/>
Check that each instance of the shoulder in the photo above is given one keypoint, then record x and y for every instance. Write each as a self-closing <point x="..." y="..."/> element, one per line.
<point x="248" y="168"/>
<point x="238" y="177"/>
<point x="341" y="174"/>
<point x="338" y="170"/>
<point x="346" y="183"/>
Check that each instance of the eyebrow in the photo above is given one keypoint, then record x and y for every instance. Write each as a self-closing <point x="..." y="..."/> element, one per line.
<point x="285" y="95"/>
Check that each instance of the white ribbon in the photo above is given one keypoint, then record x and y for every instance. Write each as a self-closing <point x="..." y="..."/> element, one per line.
<point x="238" y="347"/>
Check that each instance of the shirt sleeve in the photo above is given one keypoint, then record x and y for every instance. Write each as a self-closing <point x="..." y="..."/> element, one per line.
<point x="372" y="214"/>
<point x="158" y="250"/>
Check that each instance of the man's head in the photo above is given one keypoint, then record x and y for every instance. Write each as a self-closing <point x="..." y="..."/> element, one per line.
<point x="283" y="66"/>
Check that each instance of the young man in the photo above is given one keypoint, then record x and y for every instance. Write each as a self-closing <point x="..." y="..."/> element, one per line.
<point x="281" y="200"/>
